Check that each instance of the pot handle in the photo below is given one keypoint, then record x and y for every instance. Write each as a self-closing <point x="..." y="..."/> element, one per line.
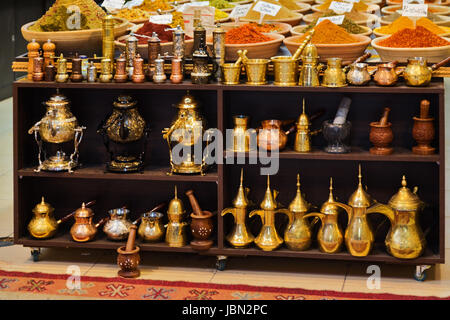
<point x="70" y="215"/>
<point x="440" y="64"/>
<point x="291" y="129"/>
<point x="159" y="206"/>
<point x="316" y="115"/>
<point x="102" y="222"/>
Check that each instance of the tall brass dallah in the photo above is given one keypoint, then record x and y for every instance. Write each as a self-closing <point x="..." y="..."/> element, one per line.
<point x="405" y="239"/>
<point x="302" y="141"/>
<point x="187" y="128"/>
<point x="239" y="237"/>
<point x="268" y="238"/>
<point x="58" y="126"/>
<point x="176" y="234"/>
<point x="298" y="234"/>
<point x="330" y="236"/>
<point x="359" y="236"/>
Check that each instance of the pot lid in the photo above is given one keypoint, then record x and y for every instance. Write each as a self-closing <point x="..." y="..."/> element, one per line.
<point x="124" y="101"/>
<point x="360" y="198"/>
<point x="176" y="205"/>
<point x="187" y="102"/>
<point x="328" y="207"/>
<point x="83" y="212"/>
<point x="299" y="204"/>
<point x="241" y="200"/>
<point x="268" y="202"/>
<point x="405" y="199"/>
<point x="303" y="119"/>
<point x="43" y="207"/>
<point x="57" y="99"/>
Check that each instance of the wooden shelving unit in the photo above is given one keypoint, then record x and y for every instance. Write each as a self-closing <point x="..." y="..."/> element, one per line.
<point x="91" y="102"/>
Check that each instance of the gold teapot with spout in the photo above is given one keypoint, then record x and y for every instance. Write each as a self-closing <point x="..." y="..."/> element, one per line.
<point x="303" y="135"/>
<point x="268" y="238"/>
<point x="176" y="234"/>
<point x="359" y="236"/>
<point x="187" y="129"/>
<point x="405" y="239"/>
<point x="298" y="234"/>
<point x="418" y="74"/>
<point x="239" y="237"/>
<point x="57" y="127"/>
<point x="330" y="236"/>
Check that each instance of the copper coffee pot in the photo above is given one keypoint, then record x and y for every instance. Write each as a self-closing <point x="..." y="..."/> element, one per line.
<point x="381" y="135"/>
<point x="386" y="75"/>
<point x="84" y="229"/>
<point x="201" y="225"/>
<point x="271" y="136"/>
<point x="128" y="258"/>
<point x="423" y="130"/>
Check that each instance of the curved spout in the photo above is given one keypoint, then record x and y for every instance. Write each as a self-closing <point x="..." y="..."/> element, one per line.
<point x="383" y="209"/>
<point x="229" y="210"/>
<point x="347" y="208"/>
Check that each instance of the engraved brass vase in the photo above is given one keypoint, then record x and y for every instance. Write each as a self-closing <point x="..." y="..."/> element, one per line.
<point x="176" y="233"/>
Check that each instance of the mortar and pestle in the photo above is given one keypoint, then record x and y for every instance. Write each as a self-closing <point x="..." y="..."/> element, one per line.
<point x="423" y="130"/>
<point x="201" y="225"/>
<point x="128" y="258"/>
<point x="381" y="135"/>
<point x="232" y="71"/>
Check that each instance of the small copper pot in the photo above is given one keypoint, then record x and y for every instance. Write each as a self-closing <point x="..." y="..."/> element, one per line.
<point x="381" y="136"/>
<point x="271" y="136"/>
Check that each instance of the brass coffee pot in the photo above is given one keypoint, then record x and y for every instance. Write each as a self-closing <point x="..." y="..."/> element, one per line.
<point x="239" y="237"/>
<point x="359" y="236"/>
<point x="125" y="127"/>
<point x="118" y="226"/>
<point x="151" y="228"/>
<point x="242" y="135"/>
<point x="418" y="74"/>
<point x="176" y="233"/>
<point x="298" y="234"/>
<point x="334" y="75"/>
<point x="405" y="239"/>
<point x="303" y="135"/>
<point x="187" y="129"/>
<point x="268" y="238"/>
<point x="330" y="236"/>
<point x="84" y="229"/>
<point x="309" y="72"/>
<point x="58" y="126"/>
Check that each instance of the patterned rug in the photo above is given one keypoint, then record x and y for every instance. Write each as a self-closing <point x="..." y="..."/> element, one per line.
<point x="44" y="285"/>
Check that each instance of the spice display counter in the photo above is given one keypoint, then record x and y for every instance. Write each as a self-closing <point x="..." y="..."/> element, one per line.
<point x="91" y="102"/>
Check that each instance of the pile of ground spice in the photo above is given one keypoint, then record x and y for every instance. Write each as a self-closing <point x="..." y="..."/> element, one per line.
<point x="355" y="16"/>
<point x="265" y="27"/>
<point x="153" y="5"/>
<point x="357" y="6"/>
<point x="148" y="28"/>
<point x="245" y="34"/>
<point x="327" y="32"/>
<point x="347" y="24"/>
<point x="414" y="38"/>
<point x="405" y="22"/>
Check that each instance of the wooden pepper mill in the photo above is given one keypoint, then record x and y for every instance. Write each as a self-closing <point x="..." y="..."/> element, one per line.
<point x="49" y="52"/>
<point x="128" y="258"/>
<point x="423" y="130"/>
<point x="381" y="135"/>
<point x="201" y="225"/>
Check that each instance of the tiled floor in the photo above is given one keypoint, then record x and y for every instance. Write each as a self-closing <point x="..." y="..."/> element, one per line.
<point x="281" y="272"/>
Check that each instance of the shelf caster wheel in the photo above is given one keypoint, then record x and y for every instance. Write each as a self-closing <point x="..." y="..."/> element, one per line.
<point x="221" y="263"/>
<point x="420" y="274"/>
<point x="35" y="253"/>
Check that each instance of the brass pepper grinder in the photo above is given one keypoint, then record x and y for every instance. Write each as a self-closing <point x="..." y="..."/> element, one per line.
<point x="179" y="45"/>
<point x="330" y="236"/>
<point x="121" y="75"/>
<point x="61" y="75"/>
<point x="176" y="235"/>
<point x="50" y="72"/>
<point x="38" y="74"/>
<point x="91" y="73"/>
<point x="199" y="32"/>
<point x="381" y="135"/>
<point x="177" y="72"/>
<point x="201" y="225"/>
<point x="130" y="54"/>
<point x="76" y="75"/>
<point x="423" y="130"/>
<point x="159" y="76"/>
<point x="108" y="39"/>
<point x="154" y="49"/>
<point x="33" y="52"/>
<point x="218" y="52"/>
<point x="298" y="235"/>
<point x="239" y="237"/>
<point x="49" y="52"/>
<point x="106" y="72"/>
<point x="138" y="70"/>
<point x="268" y="238"/>
<point x="128" y="258"/>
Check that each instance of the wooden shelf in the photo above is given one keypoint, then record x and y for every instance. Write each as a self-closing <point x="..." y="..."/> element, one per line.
<point x="150" y="173"/>
<point x="357" y="154"/>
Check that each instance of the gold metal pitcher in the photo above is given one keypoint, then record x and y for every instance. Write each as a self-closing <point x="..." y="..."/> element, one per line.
<point x="187" y="128"/>
<point x="330" y="236"/>
<point x="418" y="74"/>
<point x="405" y="239"/>
<point x="334" y="76"/>
<point x="359" y="236"/>
<point x="151" y="228"/>
<point x="241" y="135"/>
<point x="298" y="235"/>
<point x="176" y="234"/>
<point x="239" y="237"/>
<point x="268" y="238"/>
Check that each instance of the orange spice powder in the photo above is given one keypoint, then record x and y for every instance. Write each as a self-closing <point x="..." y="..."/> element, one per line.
<point x="327" y="32"/>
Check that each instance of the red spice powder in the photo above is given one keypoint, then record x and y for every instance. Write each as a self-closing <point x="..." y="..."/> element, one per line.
<point x="414" y="38"/>
<point x="245" y="34"/>
<point x="147" y="30"/>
